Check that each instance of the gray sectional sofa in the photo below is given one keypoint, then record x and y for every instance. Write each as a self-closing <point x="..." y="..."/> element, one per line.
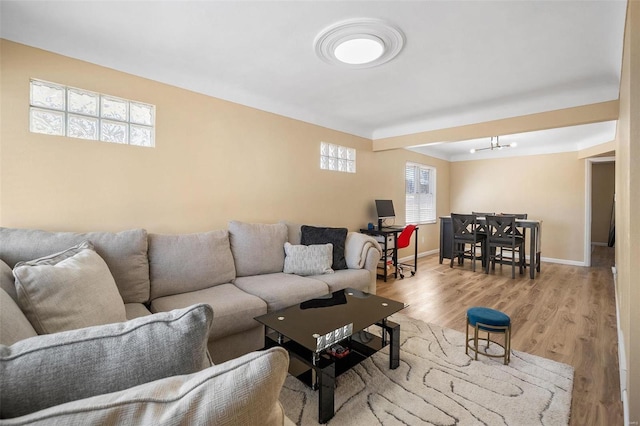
<point x="237" y="273"/>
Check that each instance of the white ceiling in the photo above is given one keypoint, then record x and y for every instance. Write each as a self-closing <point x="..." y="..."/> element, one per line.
<point x="463" y="62"/>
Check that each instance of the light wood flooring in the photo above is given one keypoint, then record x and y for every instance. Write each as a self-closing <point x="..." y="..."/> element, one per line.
<point x="567" y="313"/>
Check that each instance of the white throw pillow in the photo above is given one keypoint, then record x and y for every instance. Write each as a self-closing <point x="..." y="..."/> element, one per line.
<point x="68" y="290"/>
<point x="304" y="260"/>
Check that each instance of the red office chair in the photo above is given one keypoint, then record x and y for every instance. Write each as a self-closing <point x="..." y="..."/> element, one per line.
<point x="404" y="239"/>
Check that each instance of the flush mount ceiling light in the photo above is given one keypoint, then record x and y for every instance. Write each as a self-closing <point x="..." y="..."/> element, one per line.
<point x="359" y="43"/>
<point x="493" y="146"/>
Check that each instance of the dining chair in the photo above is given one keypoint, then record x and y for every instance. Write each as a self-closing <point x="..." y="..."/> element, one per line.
<point x="465" y="233"/>
<point x="520" y="231"/>
<point x="481" y="227"/>
<point x="501" y="234"/>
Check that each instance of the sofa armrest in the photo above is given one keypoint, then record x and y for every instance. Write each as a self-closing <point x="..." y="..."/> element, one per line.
<point x="363" y="252"/>
<point x="244" y="390"/>
<point x="357" y="248"/>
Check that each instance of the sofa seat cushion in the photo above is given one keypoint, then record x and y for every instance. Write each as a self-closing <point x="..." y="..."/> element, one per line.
<point x="52" y="369"/>
<point x="124" y="252"/>
<point x="189" y="262"/>
<point x="282" y="290"/>
<point x="257" y="248"/>
<point x="68" y="290"/>
<point x="243" y="391"/>
<point x="14" y="326"/>
<point x="359" y="279"/>
<point x="136" y="310"/>
<point x="233" y="309"/>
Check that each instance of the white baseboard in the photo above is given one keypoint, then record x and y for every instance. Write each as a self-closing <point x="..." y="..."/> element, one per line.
<point x="563" y="261"/>
<point x="543" y="259"/>
<point x="423" y="254"/>
<point x="622" y="354"/>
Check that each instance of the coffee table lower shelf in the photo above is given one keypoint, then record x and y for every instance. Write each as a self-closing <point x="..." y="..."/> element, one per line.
<point x="318" y="370"/>
<point x="361" y="346"/>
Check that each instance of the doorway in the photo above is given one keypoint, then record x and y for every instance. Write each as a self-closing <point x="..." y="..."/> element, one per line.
<point x="599" y="206"/>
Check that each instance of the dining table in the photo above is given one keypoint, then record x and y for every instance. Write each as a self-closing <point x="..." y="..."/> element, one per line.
<point x="535" y="240"/>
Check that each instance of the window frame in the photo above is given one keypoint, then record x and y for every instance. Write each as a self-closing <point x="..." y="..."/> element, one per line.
<point x="427" y="213"/>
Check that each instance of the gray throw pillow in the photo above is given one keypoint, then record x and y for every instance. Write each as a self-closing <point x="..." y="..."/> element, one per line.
<point x="322" y="235"/>
<point x="68" y="290"/>
<point x="14" y="326"/>
<point x="242" y="391"/>
<point x="48" y="370"/>
<point x="308" y="260"/>
<point x="7" y="282"/>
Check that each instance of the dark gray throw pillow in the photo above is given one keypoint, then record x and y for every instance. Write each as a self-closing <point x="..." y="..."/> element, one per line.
<point x="323" y="235"/>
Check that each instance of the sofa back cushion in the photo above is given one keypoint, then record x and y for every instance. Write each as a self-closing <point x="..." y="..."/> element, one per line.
<point x="294" y="231"/>
<point x="52" y="369"/>
<point x="14" y="326"/>
<point x="124" y="252"/>
<point x="257" y="248"/>
<point x="185" y="263"/>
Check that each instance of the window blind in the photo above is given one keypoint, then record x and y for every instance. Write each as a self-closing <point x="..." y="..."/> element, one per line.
<point x="420" y="193"/>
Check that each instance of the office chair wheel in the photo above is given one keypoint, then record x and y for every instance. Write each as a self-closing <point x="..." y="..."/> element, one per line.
<point x="401" y="276"/>
<point x="413" y="273"/>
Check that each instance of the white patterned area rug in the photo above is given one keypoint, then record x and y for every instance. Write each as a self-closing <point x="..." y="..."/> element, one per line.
<point x="438" y="384"/>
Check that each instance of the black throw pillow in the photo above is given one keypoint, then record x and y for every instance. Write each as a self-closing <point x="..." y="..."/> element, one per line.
<point x="336" y="236"/>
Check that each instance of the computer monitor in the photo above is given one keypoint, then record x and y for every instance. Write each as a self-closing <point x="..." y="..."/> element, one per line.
<point x="385" y="210"/>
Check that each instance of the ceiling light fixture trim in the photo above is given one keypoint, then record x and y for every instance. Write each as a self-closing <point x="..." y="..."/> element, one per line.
<point x="372" y="33"/>
<point x="493" y="146"/>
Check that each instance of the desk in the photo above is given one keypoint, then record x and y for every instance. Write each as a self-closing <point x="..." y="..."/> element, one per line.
<point x="535" y="241"/>
<point x="393" y="232"/>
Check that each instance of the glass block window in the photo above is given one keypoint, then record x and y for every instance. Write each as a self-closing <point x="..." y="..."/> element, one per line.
<point x="337" y="158"/>
<point x="68" y="111"/>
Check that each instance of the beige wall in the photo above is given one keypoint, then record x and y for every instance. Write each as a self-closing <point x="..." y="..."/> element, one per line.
<point x="602" y="190"/>
<point x="628" y="207"/>
<point x="214" y="161"/>
<point x="546" y="187"/>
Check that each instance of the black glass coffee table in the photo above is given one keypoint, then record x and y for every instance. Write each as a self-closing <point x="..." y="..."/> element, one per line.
<point x="326" y="337"/>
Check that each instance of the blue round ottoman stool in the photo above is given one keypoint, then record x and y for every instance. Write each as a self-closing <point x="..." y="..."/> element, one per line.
<point x="489" y="321"/>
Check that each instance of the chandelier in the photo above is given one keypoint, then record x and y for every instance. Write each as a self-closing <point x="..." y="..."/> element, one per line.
<point x="493" y="146"/>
